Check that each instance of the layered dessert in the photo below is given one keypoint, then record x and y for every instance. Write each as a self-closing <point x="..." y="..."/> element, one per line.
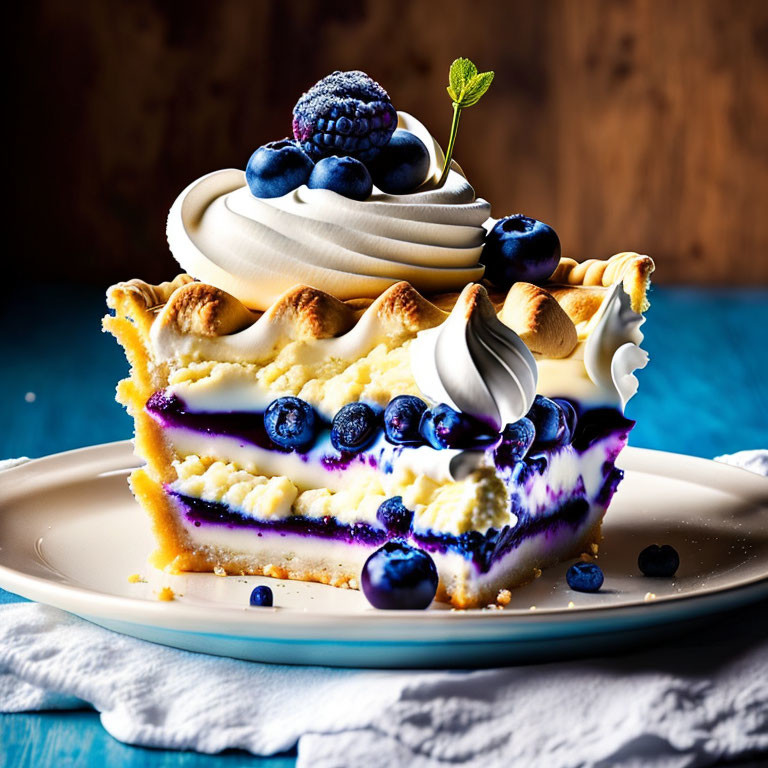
<point x="355" y="359"/>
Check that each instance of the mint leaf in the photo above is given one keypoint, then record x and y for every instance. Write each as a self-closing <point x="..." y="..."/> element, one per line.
<point x="465" y="87"/>
<point x="461" y="73"/>
<point x="474" y="90"/>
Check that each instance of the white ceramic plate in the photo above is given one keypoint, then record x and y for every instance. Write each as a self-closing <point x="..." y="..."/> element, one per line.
<point x="71" y="535"/>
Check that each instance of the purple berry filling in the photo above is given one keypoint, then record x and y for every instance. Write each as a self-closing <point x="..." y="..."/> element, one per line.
<point x="594" y="425"/>
<point x="482" y="550"/>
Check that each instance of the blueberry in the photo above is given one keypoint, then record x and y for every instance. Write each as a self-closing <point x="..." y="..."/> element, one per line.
<point x="570" y="416"/>
<point x="520" y="248"/>
<point x="658" y="560"/>
<point x="442" y="427"/>
<point x="345" y="111"/>
<point x="262" y="596"/>
<point x="550" y="422"/>
<point x="344" y="175"/>
<point x="277" y="168"/>
<point x="516" y="439"/>
<point x="395" y="516"/>
<point x="401" y="420"/>
<point x="354" y="427"/>
<point x="402" y="165"/>
<point x="399" y="576"/>
<point x="584" y="577"/>
<point x="291" y="423"/>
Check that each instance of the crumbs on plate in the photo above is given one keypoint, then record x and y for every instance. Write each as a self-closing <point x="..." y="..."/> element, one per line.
<point x="166" y="594"/>
<point x="136" y="578"/>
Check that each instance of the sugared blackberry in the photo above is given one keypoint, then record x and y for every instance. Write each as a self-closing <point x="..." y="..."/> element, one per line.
<point x="345" y="113"/>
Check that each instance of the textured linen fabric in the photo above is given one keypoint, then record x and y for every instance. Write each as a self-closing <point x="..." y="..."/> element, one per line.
<point x="695" y="700"/>
<point x="690" y="702"/>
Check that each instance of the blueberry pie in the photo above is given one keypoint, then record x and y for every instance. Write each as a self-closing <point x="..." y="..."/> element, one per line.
<point x="333" y="376"/>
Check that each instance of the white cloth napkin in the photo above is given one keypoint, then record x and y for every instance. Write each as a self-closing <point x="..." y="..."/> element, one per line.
<point x="691" y="701"/>
<point x="686" y="703"/>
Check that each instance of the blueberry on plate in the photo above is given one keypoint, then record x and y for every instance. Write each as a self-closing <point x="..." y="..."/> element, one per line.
<point x="402" y="165"/>
<point x="520" y="248"/>
<point x="344" y="175"/>
<point x="277" y="168"/>
<point x="401" y="420"/>
<point x="516" y="439"/>
<point x="291" y="423"/>
<point x="550" y="422"/>
<point x="658" y="560"/>
<point x="442" y="427"/>
<point x="399" y="577"/>
<point x="262" y="597"/>
<point x="354" y="427"/>
<point x="395" y="516"/>
<point x="584" y="577"/>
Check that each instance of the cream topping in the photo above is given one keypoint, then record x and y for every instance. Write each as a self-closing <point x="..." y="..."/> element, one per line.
<point x="475" y="363"/>
<point x="256" y="249"/>
<point x="612" y="351"/>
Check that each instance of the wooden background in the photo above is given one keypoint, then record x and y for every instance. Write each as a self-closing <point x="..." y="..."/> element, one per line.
<point x="626" y="124"/>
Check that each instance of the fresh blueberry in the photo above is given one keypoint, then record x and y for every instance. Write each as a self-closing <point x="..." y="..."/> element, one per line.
<point x="354" y="427"/>
<point x="291" y="423"/>
<point x="520" y="248"/>
<point x="570" y="415"/>
<point x="401" y="420"/>
<point x="584" y="577"/>
<point x="516" y="439"/>
<point x="345" y="113"/>
<point x="262" y="597"/>
<point x="277" y="168"/>
<point x="402" y="165"/>
<point x="658" y="560"/>
<point x="442" y="427"/>
<point x="395" y="516"/>
<point x="344" y="175"/>
<point x="399" y="576"/>
<point x="550" y="422"/>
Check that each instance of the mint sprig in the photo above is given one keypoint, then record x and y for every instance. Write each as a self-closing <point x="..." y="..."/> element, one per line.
<point x="466" y="86"/>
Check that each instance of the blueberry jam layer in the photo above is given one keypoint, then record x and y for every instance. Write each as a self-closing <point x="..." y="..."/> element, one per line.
<point x="170" y="411"/>
<point x="483" y="550"/>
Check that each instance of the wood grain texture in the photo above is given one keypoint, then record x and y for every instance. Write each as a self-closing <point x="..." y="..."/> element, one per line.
<point x="78" y="740"/>
<point x="626" y="124"/>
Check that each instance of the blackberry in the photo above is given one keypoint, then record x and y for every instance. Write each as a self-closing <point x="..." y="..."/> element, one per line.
<point x="345" y="113"/>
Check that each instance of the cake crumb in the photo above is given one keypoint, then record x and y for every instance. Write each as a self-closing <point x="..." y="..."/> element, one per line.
<point x="649" y="596"/>
<point x="595" y="549"/>
<point x="219" y="571"/>
<point x="537" y="573"/>
<point x="532" y="608"/>
<point x="585" y="557"/>
<point x="166" y="594"/>
<point x="492" y="607"/>
<point x="503" y="597"/>
<point x="136" y="578"/>
<point x="571" y="604"/>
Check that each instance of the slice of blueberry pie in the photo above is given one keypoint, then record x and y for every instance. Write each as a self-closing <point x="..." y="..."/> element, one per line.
<point x="333" y="378"/>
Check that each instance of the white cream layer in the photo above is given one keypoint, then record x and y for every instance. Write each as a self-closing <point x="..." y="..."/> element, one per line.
<point x="440" y="503"/>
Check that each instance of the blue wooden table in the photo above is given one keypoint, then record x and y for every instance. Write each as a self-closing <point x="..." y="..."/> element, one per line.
<point x="704" y="393"/>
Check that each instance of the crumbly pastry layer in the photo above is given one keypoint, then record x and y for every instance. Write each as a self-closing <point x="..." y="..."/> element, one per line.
<point x="203" y="346"/>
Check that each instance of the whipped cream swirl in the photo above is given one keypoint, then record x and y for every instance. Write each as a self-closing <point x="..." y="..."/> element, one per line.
<point x="256" y="249"/>
<point x="612" y="352"/>
<point x="475" y="363"/>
